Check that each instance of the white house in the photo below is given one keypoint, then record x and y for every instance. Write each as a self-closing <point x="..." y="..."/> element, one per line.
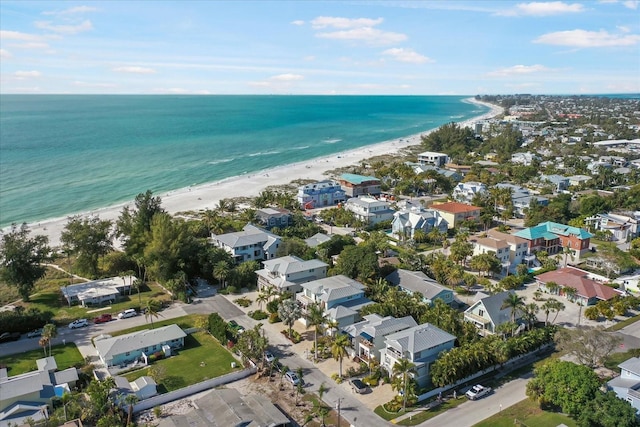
<point x="464" y="192"/>
<point x="286" y="274"/>
<point x="369" y="210"/>
<point x="415" y="217"/>
<point x="252" y="243"/>
<point x="143" y="387"/>
<point x="420" y="344"/>
<point x="623" y="228"/>
<point x="497" y="247"/>
<point x="98" y="292"/>
<point x="525" y="159"/>
<point x="518" y="248"/>
<point x="416" y="281"/>
<point x="487" y="314"/>
<point x="627" y="385"/>
<point x="368" y="336"/>
<point x="433" y="158"/>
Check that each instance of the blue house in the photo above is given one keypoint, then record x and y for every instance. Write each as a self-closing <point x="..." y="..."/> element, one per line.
<point x="127" y="348"/>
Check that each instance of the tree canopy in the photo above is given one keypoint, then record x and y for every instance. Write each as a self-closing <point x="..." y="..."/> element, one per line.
<point x="89" y="239"/>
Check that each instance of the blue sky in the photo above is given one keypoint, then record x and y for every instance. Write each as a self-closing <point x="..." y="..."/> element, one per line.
<point x="320" y="47"/>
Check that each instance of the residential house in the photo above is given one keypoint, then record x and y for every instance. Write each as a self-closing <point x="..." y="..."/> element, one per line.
<point x="227" y="407"/>
<point x="518" y="248"/>
<point x="576" y="180"/>
<point x="521" y="199"/>
<point x="416" y="281"/>
<point x="368" y="336"/>
<point x="627" y="385"/>
<point x="143" y="387"/>
<point x="319" y="194"/>
<point x="359" y="185"/>
<point x="369" y="210"/>
<point x="487" y="312"/>
<point x="465" y="192"/>
<point x="252" y="243"/>
<point x="588" y="290"/>
<point x="433" y="158"/>
<point x="623" y="228"/>
<point x="525" y="159"/>
<point x="98" y="292"/>
<point x="552" y="237"/>
<point x="30" y="395"/>
<point x="559" y="183"/>
<point x="455" y="213"/>
<point x="341" y="297"/>
<point x="124" y="349"/>
<point x="496" y="247"/>
<point x="270" y="217"/>
<point x="418" y="169"/>
<point x="414" y="217"/>
<point x="421" y="345"/>
<point x="462" y="170"/>
<point x="317" y="239"/>
<point x="286" y="274"/>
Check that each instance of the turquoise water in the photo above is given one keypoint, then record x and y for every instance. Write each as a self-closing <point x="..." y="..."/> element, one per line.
<point x="65" y="154"/>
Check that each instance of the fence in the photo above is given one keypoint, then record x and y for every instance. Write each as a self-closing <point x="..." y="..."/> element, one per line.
<point x="192" y="389"/>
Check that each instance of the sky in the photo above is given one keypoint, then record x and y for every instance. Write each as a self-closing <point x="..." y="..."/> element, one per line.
<point x="410" y="47"/>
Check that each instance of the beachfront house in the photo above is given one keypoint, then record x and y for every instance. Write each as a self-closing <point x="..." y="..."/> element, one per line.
<point x="319" y="194"/>
<point x="270" y="218"/>
<point x="455" y="213"/>
<point x="30" y="395"/>
<point x="421" y="345"/>
<point x="368" y="336"/>
<point x="252" y="243"/>
<point x="433" y="158"/>
<point x="369" y="210"/>
<point x="413" y="217"/>
<point x="98" y="292"/>
<point x="417" y="282"/>
<point x="359" y="185"/>
<point x="627" y="385"/>
<point x="286" y="274"/>
<point x="128" y="348"/>
<point x="341" y="297"/>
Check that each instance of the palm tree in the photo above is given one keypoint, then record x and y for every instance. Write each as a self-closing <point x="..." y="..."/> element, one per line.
<point x="553" y="287"/>
<point x="515" y="303"/>
<point x="316" y="318"/>
<point x="49" y="332"/>
<point x="570" y="293"/>
<point x="530" y="311"/>
<point x="130" y="400"/>
<point x="151" y="309"/>
<point x="332" y="325"/>
<point x="339" y="349"/>
<point x="262" y="298"/>
<point x="221" y="271"/>
<point x="289" y="311"/>
<point x="455" y="276"/>
<point x="402" y="368"/>
<point x="42" y="342"/>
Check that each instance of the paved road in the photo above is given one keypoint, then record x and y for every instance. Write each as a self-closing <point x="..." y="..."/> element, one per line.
<point x="472" y="412"/>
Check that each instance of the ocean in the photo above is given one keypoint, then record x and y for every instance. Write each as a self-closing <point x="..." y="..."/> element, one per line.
<point x="66" y="154"/>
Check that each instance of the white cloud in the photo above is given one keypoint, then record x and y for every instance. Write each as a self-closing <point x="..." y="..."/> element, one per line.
<point x="343" y="23"/>
<point x="134" y="70"/>
<point x="65" y="29"/>
<point x="365" y="34"/>
<point x="298" y="22"/>
<point x="406" y="55"/>
<point x="4" y="53"/>
<point x="623" y="29"/>
<point x="309" y="58"/>
<point x="542" y="9"/>
<point x="17" y="35"/>
<point x="288" y="77"/>
<point x="32" y="45"/>
<point x="71" y="10"/>
<point x="27" y="74"/>
<point x="631" y="4"/>
<point x="518" y="70"/>
<point x="583" y="38"/>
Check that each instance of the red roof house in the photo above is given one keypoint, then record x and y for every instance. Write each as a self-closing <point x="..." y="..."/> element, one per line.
<point x="589" y="291"/>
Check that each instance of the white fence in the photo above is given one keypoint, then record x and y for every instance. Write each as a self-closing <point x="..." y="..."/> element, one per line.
<point x="192" y="389"/>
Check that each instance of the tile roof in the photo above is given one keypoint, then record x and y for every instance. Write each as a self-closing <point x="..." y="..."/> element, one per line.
<point x="551" y="230"/>
<point x="509" y="238"/>
<point x="492" y="243"/>
<point x="455" y="207"/>
<point x="579" y="280"/>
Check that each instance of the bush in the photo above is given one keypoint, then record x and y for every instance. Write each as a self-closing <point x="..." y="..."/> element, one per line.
<point x="232" y="290"/>
<point x="274" y="318"/>
<point x="272" y="306"/>
<point x="372" y="381"/>
<point x="258" y="315"/>
<point x="243" y="302"/>
<point x="336" y="378"/>
<point x="218" y="327"/>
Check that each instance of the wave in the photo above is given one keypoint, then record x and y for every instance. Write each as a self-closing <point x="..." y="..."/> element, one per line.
<point x="217" y="162"/>
<point x="456" y="117"/>
<point x="263" y="153"/>
<point x="304" y="147"/>
<point x="331" y="141"/>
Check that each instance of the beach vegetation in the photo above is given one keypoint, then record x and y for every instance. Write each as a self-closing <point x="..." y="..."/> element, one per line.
<point x="134" y="224"/>
<point x="88" y="239"/>
<point x="21" y="259"/>
<point x="454" y="140"/>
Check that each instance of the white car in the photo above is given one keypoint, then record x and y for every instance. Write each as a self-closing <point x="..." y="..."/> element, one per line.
<point x="80" y="323"/>
<point x="477" y="391"/>
<point x="269" y="357"/>
<point x="292" y="377"/>
<point x="127" y="313"/>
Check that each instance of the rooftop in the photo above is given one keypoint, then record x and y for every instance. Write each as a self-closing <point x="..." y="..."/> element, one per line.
<point x="455" y="207"/>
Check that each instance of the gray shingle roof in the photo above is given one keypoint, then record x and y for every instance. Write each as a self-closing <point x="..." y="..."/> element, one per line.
<point x="419" y="338"/>
<point x="492" y="304"/>
<point x="416" y="281"/>
<point x="110" y="347"/>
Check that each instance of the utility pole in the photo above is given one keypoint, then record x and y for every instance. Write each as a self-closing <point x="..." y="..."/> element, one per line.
<point x="338" y="408"/>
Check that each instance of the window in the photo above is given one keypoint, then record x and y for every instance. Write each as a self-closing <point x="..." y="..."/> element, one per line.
<point x="481" y="313"/>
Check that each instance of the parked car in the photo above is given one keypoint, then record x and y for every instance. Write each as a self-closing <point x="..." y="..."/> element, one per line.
<point x="292" y="377"/>
<point x="9" y="336"/>
<point x="477" y="391"/>
<point x="127" y="313"/>
<point x="35" y="333"/>
<point x="80" y="323"/>
<point x="234" y="326"/>
<point x="269" y="357"/>
<point x="358" y="386"/>
<point x="103" y="318"/>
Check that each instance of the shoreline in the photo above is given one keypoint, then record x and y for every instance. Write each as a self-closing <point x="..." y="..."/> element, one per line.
<point x="207" y="196"/>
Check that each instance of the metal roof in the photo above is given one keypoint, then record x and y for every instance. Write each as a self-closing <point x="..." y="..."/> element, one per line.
<point x="110" y="347"/>
<point x="419" y="338"/>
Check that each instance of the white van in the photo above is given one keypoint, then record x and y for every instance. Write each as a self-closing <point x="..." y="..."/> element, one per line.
<point x="127" y="313"/>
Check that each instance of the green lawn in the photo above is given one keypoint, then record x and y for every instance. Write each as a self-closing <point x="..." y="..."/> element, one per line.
<point x="529" y="413"/>
<point x="66" y="356"/>
<point x="202" y="358"/>
<point x="428" y="414"/>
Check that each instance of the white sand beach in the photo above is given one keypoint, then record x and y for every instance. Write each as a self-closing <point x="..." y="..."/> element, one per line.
<point x="207" y="196"/>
